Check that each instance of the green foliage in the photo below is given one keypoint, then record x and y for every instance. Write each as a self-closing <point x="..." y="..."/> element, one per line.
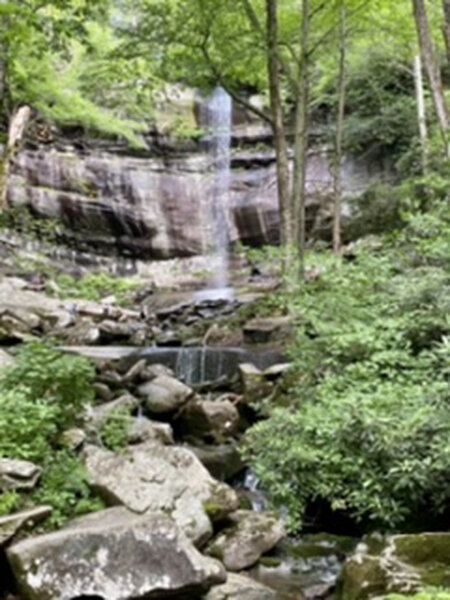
<point x="367" y="423"/>
<point x="41" y="395"/>
<point x="426" y="594"/>
<point x="28" y="426"/>
<point x="67" y="61"/>
<point x="95" y="286"/>
<point x="21" y="219"/>
<point x="9" y="502"/>
<point x="54" y="88"/>
<point x="115" y="431"/>
<point x="65" y="487"/>
<point x="45" y="377"/>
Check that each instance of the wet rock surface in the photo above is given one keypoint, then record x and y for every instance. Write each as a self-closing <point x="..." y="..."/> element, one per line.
<point x="249" y="536"/>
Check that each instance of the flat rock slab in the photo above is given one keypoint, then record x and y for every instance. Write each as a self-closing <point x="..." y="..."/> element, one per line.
<point x="12" y="524"/>
<point x="152" y="477"/>
<point x="239" y="587"/>
<point x="250" y="535"/>
<point x="113" y="555"/>
<point x="263" y="331"/>
<point x="19" y="475"/>
<point x="103" y="353"/>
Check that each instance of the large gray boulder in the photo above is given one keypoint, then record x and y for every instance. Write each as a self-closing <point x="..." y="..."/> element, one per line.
<point x="250" y="535"/>
<point x="113" y="555"/>
<point x="19" y="475"/>
<point x="164" y="394"/>
<point x="152" y="477"/>
<point x="218" y="419"/>
<point x="239" y="587"/>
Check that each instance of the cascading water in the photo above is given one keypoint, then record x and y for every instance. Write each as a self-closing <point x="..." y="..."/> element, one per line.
<point x="219" y="121"/>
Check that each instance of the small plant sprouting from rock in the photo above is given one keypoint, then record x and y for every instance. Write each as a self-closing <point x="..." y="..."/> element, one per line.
<point x="115" y="432"/>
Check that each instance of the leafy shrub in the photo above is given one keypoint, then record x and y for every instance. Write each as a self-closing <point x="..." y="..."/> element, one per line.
<point x="28" y="426"/>
<point x="65" y="487"/>
<point x="9" y="501"/>
<point x="41" y="395"/>
<point x="59" y="384"/>
<point x="115" y="431"/>
<point x="364" y="425"/>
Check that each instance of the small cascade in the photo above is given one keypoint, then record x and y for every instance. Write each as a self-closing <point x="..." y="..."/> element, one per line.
<point x="219" y="121"/>
<point x="251" y="485"/>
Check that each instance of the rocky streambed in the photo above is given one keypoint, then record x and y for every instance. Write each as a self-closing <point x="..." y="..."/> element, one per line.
<point x="185" y="519"/>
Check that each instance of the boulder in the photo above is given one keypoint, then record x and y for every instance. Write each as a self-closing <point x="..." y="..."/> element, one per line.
<point x="264" y="331"/>
<point x="113" y="555"/>
<point x="18" y="475"/>
<point x="254" y="382"/>
<point x="73" y="439"/>
<point x="223" y="461"/>
<point x="154" y="477"/>
<point x="153" y="371"/>
<point x="212" y="418"/>
<point x="144" y="430"/>
<point x="164" y="394"/>
<point x="276" y="371"/>
<point x="239" y="587"/>
<point x="404" y="564"/>
<point x="250" y="535"/>
<point x="134" y="372"/>
<point x="168" y="338"/>
<point x="111" y="331"/>
<point x="100" y="414"/>
<point x="12" y="524"/>
<point x="102" y="391"/>
<point x="85" y="331"/>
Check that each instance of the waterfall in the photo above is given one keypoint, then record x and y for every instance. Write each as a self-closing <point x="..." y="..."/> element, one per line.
<point x="219" y="119"/>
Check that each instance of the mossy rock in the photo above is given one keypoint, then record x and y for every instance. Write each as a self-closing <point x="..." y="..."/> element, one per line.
<point x="363" y="577"/>
<point x="429" y="553"/>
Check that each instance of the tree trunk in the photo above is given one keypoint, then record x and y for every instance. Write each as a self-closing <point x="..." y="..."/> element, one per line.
<point x="421" y="115"/>
<point x="301" y="143"/>
<point x="17" y="130"/>
<point x="337" y="175"/>
<point x="446" y="27"/>
<point x="281" y="148"/>
<point x="432" y="69"/>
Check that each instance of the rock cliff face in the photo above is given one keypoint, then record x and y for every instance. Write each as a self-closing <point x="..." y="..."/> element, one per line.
<point x="158" y="206"/>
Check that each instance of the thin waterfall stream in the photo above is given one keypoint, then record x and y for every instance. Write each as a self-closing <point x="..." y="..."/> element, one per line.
<point x="219" y="123"/>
